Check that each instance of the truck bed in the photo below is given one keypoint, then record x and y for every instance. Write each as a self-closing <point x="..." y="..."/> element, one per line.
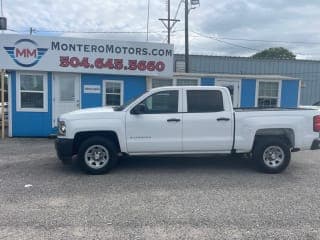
<point x="299" y="121"/>
<point x="254" y="109"/>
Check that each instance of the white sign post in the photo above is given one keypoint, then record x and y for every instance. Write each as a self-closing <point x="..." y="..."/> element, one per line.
<point x="57" y="54"/>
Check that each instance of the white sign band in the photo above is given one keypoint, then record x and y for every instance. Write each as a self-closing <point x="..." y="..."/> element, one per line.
<point x="18" y="52"/>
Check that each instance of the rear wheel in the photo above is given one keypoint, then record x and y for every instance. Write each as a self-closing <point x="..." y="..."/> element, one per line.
<point x="272" y="155"/>
<point x="97" y="155"/>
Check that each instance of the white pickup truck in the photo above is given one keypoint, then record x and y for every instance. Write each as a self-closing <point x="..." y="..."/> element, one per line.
<point x="185" y="120"/>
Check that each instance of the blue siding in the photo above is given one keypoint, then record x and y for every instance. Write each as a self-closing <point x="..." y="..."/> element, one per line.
<point x="31" y="124"/>
<point x="248" y="92"/>
<point x="133" y="86"/>
<point x="304" y="70"/>
<point x="206" y="81"/>
<point x="289" y="93"/>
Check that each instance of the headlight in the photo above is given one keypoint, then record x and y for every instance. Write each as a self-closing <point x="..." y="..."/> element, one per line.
<point x="62" y="128"/>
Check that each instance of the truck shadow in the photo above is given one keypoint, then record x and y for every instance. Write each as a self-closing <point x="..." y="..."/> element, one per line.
<point x="186" y="163"/>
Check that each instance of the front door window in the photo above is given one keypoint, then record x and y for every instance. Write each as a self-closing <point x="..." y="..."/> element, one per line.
<point x="162" y="102"/>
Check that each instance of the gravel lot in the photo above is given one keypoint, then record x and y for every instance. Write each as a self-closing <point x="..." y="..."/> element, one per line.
<point x="149" y="198"/>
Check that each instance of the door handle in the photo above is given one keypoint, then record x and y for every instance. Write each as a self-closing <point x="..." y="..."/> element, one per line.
<point x="223" y="119"/>
<point x="173" y="120"/>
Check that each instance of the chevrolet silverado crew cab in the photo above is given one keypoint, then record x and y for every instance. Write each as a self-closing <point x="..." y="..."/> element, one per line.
<point x="185" y="120"/>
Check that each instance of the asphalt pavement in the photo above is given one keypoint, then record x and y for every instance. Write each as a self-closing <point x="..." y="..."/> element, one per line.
<point x="155" y="198"/>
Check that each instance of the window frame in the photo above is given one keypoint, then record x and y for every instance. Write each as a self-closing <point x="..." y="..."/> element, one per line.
<point x="104" y="94"/>
<point x="268" y="81"/>
<point x="178" y="104"/>
<point x="180" y="100"/>
<point x="187" y="102"/>
<point x="44" y="92"/>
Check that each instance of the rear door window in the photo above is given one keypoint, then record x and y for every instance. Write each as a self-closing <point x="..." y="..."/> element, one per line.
<point x="200" y="101"/>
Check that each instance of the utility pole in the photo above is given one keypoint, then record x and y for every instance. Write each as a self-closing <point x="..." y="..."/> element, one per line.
<point x="167" y="22"/>
<point x="32" y="30"/>
<point x="148" y="17"/>
<point x="186" y="35"/>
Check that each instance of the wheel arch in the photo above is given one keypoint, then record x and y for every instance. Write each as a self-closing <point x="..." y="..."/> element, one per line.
<point x="82" y="136"/>
<point x="287" y="134"/>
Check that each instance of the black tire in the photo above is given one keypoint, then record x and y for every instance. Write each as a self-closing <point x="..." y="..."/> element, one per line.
<point x="105" y="144"/>
<point x="66" y="161"/>
<point x="271" y="147"/>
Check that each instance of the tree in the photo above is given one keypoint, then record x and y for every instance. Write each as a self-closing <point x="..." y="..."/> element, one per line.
<point x="274" y="53"/>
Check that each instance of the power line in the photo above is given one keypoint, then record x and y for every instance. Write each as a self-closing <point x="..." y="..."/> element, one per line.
<point x="245" y="47"/>
<point x="88" y="32"/>
<point x="222" y="41"/>
<point x="267" y="41"/>
<point x="263" y="40"/>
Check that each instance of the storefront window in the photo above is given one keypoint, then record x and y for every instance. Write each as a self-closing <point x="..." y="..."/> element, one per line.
<point x="32" y="91"/>
<point x="268" y="94"/>
<point x="163" y="82"/>
<point x="113" y="93"/>
<point x="187" y="82"/>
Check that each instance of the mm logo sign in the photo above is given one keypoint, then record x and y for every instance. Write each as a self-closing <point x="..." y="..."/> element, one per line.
<point x="25" y="52"/>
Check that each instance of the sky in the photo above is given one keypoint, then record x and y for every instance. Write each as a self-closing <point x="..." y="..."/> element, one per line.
<point x="216" y="27"/>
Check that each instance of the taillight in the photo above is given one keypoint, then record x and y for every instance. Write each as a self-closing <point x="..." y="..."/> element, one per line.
<point x="316" y="123"/>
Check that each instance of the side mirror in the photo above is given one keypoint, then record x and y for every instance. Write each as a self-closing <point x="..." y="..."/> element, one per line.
<point x="139" y="109"/>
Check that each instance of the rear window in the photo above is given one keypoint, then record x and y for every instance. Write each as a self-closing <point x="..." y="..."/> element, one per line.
<point x="204" y="101"/>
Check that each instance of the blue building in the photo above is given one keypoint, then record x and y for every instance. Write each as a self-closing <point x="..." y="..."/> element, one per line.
<point x="307" y="71"/>
<point x="48" y="77"/>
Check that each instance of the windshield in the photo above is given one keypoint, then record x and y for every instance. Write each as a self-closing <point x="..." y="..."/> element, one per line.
<point x="123" y="106"/>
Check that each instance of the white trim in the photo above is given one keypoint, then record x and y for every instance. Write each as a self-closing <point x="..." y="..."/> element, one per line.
<point x="104" y="93"/>
<point x="80" y="91"/>
<point x="45" y="92"/>
<point x="9" y="105"/>
<point x="267" y="80"/>
<point x="299" y="92"/>
<point x="149" y="83"/>
<point x="222" y="75"/>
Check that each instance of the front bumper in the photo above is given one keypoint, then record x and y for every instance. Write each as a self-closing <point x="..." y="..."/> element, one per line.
<point x="64" y="148"/>
<point x="315" y="144"/>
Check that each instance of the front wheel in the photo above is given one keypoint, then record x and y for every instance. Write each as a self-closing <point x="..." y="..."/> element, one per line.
<point x="97" y="155"/>
<point x="272" y="155"/>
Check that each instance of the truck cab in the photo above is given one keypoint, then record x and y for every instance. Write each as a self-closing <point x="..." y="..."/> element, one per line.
<point x="184" y="120"/>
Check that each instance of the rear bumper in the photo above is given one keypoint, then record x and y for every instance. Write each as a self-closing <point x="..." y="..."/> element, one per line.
<point x="64" y="148"/>
<point x="315" y="144"/>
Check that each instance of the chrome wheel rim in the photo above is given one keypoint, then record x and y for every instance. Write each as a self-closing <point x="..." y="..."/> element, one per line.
<point x="273" y="156"/>
<point x="96" y="156"/>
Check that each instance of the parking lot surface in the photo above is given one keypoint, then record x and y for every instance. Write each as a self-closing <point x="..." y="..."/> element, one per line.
<point x="155" y="198"/>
